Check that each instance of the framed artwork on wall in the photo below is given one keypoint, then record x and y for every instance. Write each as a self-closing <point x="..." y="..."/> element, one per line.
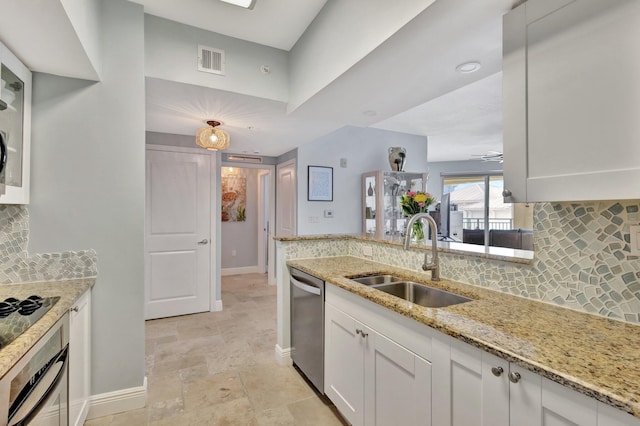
<point x="319" y="183"/>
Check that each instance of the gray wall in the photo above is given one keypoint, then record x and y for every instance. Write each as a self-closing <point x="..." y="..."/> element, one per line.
<point x="171" y="52"/>
<point x="243" y="236"/>
<point x="366" y="150"/>
<point x="88" y="188"/>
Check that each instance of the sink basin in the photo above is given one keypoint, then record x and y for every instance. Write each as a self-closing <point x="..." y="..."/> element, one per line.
<point x="422" y="295"/>
<point x="377" y="279"/>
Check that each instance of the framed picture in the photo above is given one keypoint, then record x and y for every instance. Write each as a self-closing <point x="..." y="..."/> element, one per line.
<point x="320" y="183"/>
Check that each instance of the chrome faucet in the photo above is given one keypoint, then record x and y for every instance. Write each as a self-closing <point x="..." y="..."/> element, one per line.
<point x="434" y="265"/>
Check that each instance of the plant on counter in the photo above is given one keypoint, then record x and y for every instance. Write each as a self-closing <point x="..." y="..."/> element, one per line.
<point x="414" y="202"/>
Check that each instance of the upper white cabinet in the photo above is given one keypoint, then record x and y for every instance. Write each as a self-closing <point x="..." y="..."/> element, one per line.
<point x="15" y="129"/>
<point x="572" y="100"/>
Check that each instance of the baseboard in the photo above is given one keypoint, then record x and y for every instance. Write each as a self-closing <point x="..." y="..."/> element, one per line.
<point x="105" y="404"/>
<point x="283" y="356"/>
<point x="216" y="306"/>
<point x="242" y="270"/>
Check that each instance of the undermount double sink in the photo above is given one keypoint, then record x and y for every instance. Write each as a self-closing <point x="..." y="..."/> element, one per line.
<point x="410" y="291"/>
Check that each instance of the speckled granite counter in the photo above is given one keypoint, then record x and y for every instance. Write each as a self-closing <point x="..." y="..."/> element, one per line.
<point x="593" y="355"/>
<point x="69" y="292"/>
<point x="495" y="253"/>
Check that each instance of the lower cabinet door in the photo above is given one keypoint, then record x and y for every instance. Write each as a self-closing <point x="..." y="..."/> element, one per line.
<point x="344" y="369"/>
<point x="562" y="406"/>
<point x="397" y="383"/>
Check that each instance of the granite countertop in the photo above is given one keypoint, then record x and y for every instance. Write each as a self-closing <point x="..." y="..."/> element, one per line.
<point x="593" y="355"/>
<point x="69" y="292"/>
<point x="494" y="253"/>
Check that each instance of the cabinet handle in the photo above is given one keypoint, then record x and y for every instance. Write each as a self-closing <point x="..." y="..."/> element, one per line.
<point x="497" y="371"/>
<point x="203" y="242"/>
<point x="362" y="333"/>
<point x="506" y="193"/>
<point x="514" y="377"/>
<point x="75" y="309"/>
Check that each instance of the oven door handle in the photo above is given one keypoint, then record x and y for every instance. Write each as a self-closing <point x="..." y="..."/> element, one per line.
<point x="34" y="397"/>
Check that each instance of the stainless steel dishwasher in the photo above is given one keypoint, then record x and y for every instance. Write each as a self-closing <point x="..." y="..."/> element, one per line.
<point x="307" y="326"/>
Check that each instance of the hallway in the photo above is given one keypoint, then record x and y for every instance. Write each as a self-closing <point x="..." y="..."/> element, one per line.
<point x="218" y="368"/>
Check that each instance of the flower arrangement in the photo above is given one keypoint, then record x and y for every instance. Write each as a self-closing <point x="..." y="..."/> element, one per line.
<point x="414" y="202"/>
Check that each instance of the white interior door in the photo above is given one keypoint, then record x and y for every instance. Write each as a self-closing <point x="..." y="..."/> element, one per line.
<point x="178" y="254"/>
<point x="286" y="199"/>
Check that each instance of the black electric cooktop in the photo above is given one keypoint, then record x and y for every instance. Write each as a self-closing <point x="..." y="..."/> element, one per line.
<point x="16" y="315"/>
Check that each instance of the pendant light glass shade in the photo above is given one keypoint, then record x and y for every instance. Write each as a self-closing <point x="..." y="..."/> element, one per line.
<point x="213" y="138"/>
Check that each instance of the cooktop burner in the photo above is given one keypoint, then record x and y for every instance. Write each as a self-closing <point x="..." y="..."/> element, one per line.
<point x="16" y="316"/>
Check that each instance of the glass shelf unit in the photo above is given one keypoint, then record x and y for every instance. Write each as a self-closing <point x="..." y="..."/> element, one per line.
<point x="382" y="215"/>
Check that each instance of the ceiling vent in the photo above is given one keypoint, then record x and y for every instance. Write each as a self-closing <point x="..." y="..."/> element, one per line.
<point x="244" y="158"/>
<point x="210" y="60"/>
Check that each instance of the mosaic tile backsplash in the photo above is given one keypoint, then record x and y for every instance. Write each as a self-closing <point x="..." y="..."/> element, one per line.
<point x="582" y="259"/>
<point x="16" y="265"/>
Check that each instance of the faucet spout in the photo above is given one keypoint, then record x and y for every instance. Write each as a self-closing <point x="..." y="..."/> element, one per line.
<point x="434" y="265"/>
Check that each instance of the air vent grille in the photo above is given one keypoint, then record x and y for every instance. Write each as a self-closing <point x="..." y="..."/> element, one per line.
<point x="244" y="158"/>
<point x="210" y="60"/>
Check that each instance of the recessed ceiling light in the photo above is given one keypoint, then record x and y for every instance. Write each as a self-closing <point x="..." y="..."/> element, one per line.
<point x="468" y="67"/>
<point x="247" y="4"/>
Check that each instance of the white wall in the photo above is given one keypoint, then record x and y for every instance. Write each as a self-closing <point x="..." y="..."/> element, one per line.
<point x="366" y="150"/>
<point x="88" y="188"/>
<point x="243" y="236"/>
<point x="84" y="15"/>
<point x="342" y="34"/>
<point x="171" y="52"/>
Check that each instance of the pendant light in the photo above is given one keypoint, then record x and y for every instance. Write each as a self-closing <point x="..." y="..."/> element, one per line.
<point x="212" y="138"/>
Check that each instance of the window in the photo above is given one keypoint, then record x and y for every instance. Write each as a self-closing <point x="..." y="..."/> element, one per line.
<point x="479" y="216"/>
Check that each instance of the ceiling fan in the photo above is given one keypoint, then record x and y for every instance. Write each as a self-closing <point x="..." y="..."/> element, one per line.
<point x="490" y="156"/>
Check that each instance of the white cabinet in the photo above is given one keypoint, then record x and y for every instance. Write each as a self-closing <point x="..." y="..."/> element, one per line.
<point x="487" y="390"/>
<point x="571" y="100"/>
<point x="371" y="378"/>
<point x="15" y="129"/>
<point x="80" y="360"/>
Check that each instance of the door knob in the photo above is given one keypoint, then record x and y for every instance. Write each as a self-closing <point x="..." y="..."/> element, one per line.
<point x="497" y="371"/>
<point x="514" y="377"/>
<point x="203" y="242"/>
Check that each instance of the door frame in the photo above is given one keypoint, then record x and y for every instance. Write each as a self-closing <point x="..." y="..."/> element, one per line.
<point x="215" y="304"/>
<point x="270" y="169"/>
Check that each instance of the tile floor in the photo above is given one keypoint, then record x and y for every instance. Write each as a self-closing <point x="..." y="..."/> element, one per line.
<point x="218" y="368"/>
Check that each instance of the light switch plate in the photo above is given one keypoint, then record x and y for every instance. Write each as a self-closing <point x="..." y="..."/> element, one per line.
<point x="634" y="230"/>
<point x="328" y="213"/>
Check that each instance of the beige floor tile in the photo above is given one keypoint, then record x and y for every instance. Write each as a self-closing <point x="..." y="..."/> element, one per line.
<point x="165" y="409"/>
<point x="100" y="421"/>
<point x="163" y="388"/>
<point x="271" y="385"/>
<point x="279" y="416"/>
<point x="219" y="368"/>
<point x="212" y="390"/>
<point x="315" y="412"/>
<point x="230" y="356"/>
<point x="233" y="413"/>
<point x="130" y="418"/>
